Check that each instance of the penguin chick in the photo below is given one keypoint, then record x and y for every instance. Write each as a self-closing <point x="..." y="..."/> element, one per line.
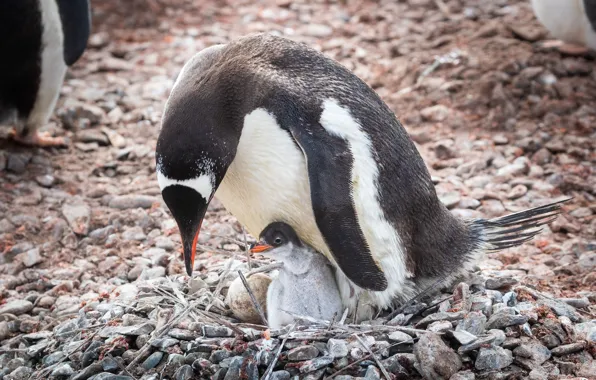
<point x="41" y="39"/>
<point x="572" y="22"/>
<point x="306" y="284"/>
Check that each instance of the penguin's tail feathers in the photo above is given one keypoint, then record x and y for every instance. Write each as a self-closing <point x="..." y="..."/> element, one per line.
<point x="515" y="229"/>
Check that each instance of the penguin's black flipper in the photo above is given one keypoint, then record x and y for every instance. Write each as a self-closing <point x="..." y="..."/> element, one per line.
<point x="76" y="27"/>
<point x="329" y="163"/>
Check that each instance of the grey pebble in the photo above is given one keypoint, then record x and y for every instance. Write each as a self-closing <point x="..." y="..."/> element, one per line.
<point x="16" y="307"/>
<point x="436" y="360"/>
<point x="124" y="202"/>
<point x="315" y="364"/>
<point x="21" y="373"/>
<point x="163" y="343"/>
<point x="218" y="355"/>
<point x="568" y="348"/>
<point x="280" y="375"/>
<point x="503" y="318"/>
<point x="439" y="326"/>
<point x="443" y="316"/>
<point x="463" y="337"/>
<point x="217" y="331"/>
<point x="110" y="376"/>
<point x="303" y="353"/>
<point x="499" y="336"/>
<point x="398" y="336"/>
<point x="531" y="354"/>
<point x="578" y="303"/>
<point x="30" y="258"/>
<point x="17" y="163"/>
<point x="372" y="373"/>
<point x="337" y="348"/>
<point x="91" y="353"/>
<point x="493" y="358"/>
<point x="152" y="361"/>
<point x="500" y="282"/>
<point x="62" y="370"/>
<point x="109" y="364"/>
<point x="88" y="372"/>
<point x="184" y="373"/>
<point x="481" y="341"/>
<point x="474" y="323"/>
<point x="137" y="330"/>
<point x="53" y="358"/>
<point x="463" y="375"/>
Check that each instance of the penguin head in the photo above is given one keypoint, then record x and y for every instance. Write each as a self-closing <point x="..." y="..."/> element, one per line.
<point x="196" y="145"/>
<point x="188" y="183"/>
<point x="279" y="241"/>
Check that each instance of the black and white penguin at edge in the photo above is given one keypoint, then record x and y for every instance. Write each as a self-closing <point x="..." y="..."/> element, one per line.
<point x="279" y="132"/>
<point x="39" y="40"/>
<point x="571" y="22"/>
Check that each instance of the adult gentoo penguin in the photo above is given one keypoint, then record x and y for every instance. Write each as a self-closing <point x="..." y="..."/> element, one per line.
<point x="305" y="285"/>
<point x="40" y="39"/>
<point x="572" y="22"/>
<point x="279" y="132"/>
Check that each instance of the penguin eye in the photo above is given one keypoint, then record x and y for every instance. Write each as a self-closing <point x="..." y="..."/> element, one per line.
<point x="278" y="240"/>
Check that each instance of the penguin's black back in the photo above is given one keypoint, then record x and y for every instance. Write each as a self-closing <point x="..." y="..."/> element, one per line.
<point x="20" y="49"/>
<point x="590" y="8"/>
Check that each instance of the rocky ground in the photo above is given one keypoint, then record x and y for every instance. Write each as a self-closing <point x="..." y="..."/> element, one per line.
<point x="91" y="277"/>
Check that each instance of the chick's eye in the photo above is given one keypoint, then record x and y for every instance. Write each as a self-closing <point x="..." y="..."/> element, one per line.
<point x="278" y="240"/>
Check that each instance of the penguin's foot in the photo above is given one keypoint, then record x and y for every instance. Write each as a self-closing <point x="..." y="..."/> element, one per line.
<point x="41" y="139"/>
<point x="564" y="47"/>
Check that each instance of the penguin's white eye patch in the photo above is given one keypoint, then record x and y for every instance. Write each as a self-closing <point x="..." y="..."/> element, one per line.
<point x="202" y="184"/>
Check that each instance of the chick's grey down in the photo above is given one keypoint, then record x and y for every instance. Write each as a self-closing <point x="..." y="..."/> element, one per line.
<point x="306" y="283"/>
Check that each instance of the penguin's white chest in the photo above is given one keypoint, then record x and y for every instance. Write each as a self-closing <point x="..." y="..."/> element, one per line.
<point x="566" y="20"/>
<point x="268" y="180"/>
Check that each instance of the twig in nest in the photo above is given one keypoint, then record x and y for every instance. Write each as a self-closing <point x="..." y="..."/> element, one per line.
<point x="381" y="366"/>
<point x="265" y="268"/>
<point x="361" y="360"/>
<point x="355" y="319"/>
<point x="253" y="298"/>
<point x="205" y="248"/>
<point x="274" y="361"/>
<point x="344" y="317"/>
<point x="332" y="321"/>
<point x="122" y="366"/>
<point x="220" y="283"/>
<point x="246" y="249"/>
<point x="214" y="317"/>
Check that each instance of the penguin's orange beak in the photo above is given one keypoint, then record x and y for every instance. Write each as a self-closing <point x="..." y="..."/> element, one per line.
<point x="260" y="247"/>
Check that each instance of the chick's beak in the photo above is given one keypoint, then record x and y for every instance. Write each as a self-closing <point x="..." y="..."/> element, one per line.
<point x="260" y="247"/>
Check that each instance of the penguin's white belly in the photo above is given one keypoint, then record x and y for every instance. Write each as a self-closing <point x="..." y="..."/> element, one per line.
<point x="53" y="67"/>
<point x="566" y="20"/>
<point x="268" y="181"/>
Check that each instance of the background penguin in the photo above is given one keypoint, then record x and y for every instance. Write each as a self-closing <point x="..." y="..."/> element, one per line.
<point x="305" y="286"/>
<point x="279" y="132"/>
<point x="573" y="22"/>
<point x="40" y="38"/>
